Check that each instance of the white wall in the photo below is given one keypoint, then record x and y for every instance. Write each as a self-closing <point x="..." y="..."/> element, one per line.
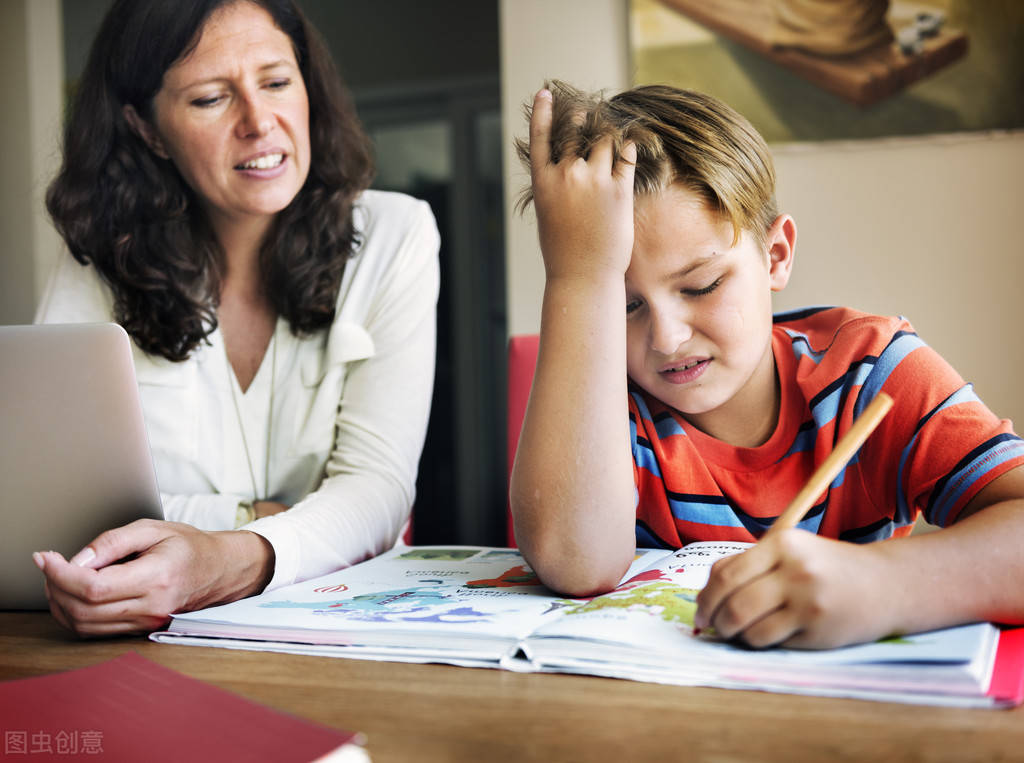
<point x="924" y="227"/>
<point x="31" y="91"/>
<point x="583" y="42"/>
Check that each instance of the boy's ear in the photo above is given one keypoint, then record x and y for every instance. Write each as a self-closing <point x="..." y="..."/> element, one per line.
<point x="781" y="243"/>
<point x="145" y="130"/>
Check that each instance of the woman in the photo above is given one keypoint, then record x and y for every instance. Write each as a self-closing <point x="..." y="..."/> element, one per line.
<point x="213" y="188"/>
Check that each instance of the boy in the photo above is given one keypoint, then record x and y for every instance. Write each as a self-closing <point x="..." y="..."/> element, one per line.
<point x="668" y="406"/>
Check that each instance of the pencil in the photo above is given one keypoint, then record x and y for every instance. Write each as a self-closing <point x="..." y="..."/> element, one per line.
<point x="843" y="452"/>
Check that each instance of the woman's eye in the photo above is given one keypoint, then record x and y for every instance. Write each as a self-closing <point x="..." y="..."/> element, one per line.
<point x="632" y="306"/>
<point x="706" y="290"/>
<point x="206" y="101"/>
<point x="279" y="84"/>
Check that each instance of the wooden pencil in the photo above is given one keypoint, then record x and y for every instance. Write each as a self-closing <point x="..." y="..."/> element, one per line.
<point x="830" y="467"/>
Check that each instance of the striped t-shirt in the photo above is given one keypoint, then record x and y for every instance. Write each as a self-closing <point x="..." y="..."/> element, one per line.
<point x="933" y="452"/>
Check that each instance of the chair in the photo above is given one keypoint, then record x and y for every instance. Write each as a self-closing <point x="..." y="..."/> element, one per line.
<point x="522" y="361"/>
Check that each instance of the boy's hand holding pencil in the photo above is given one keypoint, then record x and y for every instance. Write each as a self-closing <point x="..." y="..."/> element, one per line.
<point x="795" y="588"/>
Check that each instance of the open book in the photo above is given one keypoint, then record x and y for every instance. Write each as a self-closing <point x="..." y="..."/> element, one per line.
<point x="484" y="607"/>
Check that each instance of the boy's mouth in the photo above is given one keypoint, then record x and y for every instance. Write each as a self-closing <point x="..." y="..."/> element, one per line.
<point x="684" y="371"/>
<point x="684" y="367"/>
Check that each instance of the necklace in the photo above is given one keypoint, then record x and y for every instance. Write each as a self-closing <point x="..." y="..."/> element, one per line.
<point x="270" y="419"/>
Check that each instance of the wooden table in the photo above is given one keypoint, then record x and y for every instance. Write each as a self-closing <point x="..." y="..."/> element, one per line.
<point x="448" y="714"/>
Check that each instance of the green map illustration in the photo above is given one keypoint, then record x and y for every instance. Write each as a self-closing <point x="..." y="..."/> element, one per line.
<point x="661" y="598"/>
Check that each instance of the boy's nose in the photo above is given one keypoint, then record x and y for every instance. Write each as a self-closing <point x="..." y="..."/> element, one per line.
<point x="668" y="332"/>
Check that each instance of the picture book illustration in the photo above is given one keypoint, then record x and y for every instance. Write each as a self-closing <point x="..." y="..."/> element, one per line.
<point x="400" y="605"/>
<point x="440" y="588"/>
<point x="425" y="589"/>
<point x="485" y="607"/>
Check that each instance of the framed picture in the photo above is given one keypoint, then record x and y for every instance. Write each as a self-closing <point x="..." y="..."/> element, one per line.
<point x="805" y="70"/>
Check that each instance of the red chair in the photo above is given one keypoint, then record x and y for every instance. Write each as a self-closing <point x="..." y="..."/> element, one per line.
<point x="522" y="361"/>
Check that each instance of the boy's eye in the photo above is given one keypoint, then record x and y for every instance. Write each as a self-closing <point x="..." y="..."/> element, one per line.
<point x="706" y="290"/>
<point x="632" y="305"/>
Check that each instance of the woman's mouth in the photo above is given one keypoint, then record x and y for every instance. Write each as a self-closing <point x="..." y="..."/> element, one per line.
<point x="265" y="162"/>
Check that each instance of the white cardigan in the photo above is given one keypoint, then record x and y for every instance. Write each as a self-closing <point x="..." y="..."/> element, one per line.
<point x="350" y="405"/>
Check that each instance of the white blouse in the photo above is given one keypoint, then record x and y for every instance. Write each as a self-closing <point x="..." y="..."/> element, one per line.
<point x="350" y="404"/>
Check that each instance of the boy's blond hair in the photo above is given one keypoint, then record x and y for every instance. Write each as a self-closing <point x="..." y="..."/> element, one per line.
<point x="681" y="136"/>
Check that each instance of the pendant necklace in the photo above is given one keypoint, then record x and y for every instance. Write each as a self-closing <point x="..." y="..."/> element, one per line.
<point x="270" y="418"/>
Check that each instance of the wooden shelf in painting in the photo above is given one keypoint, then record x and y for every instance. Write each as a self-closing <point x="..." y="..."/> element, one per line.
<point x="862" y="79"/>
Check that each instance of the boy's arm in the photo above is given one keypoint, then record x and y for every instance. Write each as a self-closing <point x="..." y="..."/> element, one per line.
<point x="572" y="482"/>
<point x="802" y="590"/>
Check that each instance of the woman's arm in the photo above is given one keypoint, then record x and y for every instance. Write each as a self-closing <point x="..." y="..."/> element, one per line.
<point x="357" y="511"/>
<point x="572" y="484"/>
<point x="370" y="477"/>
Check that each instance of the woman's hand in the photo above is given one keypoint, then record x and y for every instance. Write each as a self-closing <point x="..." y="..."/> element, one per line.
<point x="584" y="205"/>
<point x="132" y="578"/>
<point x="267" y="508"/>
<point x="797" y="589"/>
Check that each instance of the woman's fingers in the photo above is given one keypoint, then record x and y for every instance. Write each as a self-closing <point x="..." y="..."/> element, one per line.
<point x="110" y="583"/>
<point x="114" y="545"/>
<point x="114" y="600"/>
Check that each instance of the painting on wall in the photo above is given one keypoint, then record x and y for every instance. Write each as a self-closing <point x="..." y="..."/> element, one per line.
<point x="804" y="70"/>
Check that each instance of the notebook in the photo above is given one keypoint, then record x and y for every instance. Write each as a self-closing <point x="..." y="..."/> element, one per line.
<point x="74" y="456"/>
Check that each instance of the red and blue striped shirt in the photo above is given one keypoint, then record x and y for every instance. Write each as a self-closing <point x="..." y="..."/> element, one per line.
<point x="936" y="449"/>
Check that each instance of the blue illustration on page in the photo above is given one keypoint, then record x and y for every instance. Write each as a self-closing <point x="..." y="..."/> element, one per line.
<point x="401" y="605"/>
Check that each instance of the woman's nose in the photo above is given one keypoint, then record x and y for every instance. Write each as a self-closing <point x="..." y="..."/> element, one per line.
<point x="256" y="118"/>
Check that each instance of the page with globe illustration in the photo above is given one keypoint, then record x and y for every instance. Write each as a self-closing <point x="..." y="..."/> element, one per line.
<point x="484" y="607"/>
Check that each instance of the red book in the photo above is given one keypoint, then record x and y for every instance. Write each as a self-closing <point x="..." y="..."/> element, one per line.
<point x="1007" y="686"/>
<point x="132" y="709"/>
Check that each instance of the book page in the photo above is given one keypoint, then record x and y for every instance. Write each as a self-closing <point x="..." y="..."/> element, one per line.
<point x="644" y="630"/>
<point x="652" y="607"/>
<point x="426" y="594"/>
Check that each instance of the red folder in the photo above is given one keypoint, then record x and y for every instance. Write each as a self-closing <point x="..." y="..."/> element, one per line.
<point x="132" y="709"/>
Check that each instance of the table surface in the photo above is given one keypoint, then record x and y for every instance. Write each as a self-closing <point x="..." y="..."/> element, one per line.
<point x="450" y="714"/>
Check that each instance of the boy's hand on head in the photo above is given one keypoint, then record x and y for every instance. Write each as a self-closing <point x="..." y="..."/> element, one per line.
<point x="797" y="589"/>
<point x="584" y="204"/>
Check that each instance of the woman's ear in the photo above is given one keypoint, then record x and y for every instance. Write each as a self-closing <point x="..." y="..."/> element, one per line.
<point x="781" y="243"/>
<point x="145" y="130"/>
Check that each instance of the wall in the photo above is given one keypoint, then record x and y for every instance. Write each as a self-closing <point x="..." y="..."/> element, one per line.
<point x="31" y="94"/>
<point x="580" y="41"/>
<point x="924" y="227"/>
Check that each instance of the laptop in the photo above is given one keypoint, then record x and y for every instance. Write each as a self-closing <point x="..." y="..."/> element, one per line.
<point x="74" y="456"/>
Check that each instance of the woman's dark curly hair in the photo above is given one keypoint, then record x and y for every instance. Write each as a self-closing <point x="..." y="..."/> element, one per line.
<point x="131" y="215"/>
